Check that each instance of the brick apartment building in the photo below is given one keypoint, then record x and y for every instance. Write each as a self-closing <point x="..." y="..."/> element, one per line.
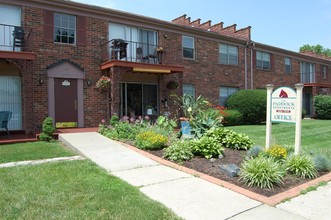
<point x="52" y="53"/>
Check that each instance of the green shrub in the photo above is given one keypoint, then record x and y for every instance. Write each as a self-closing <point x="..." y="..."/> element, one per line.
<point x="207" y="147"/>
<point x="251" y="103"/>
<point x="301" y="166"/>
<point x="230" y="139"/>
<point x="253" y="152"/>
<point x="150" y="140"/>
<point x="114" y="120"/>
<point x="232" y="118"/>
<point x="166" y="123"/>
<point x="180" y="151"/>
<point x="322" y="163"/>
<point x="47" y="129"/>
<point x="262" y="172"/>
<point x="277" y="151"/>
<point x="125" y="131"/>
<point x="322" y="105"/>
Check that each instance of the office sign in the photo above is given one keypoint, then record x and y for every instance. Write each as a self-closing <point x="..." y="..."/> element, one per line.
<point x="283" y="105"/>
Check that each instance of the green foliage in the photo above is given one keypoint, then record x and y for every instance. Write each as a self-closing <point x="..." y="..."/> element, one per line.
<point x="207" y="147"/>
<point x="322" y="105"/>
<point x="262" y="172"/>
<point x="230" y="139"/>
<point x="205" y="120"/>
<point x="277" y="151"/>
<point x="322" y="163"/>
<point x="180" y="151"/>
<point x="191" y="106"/>
<point x="232" y="117"/>
<point x="151" y="140"/>
<point x="251" y="103"/>
<point x="318" y="49"/>
<point x="166" y="123"/>
<point x="47" y="130"/>
<point x="301" y="166"/>
<point x="114" y="120"/>
<point x="313" y="188"/>
<point x="254" y="151"/>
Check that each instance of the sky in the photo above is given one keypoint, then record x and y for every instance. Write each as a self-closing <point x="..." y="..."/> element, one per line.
<point x="286" y="24"/>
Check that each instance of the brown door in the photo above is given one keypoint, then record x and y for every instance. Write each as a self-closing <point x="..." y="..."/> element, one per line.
<point x="65" y="102"/>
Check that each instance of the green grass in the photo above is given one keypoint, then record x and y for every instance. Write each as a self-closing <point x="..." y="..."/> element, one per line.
<point x="313" y="188"/>
<point x="32" y="151"/>
<point x="315" y="136"/>
<point x="72" y="190"/>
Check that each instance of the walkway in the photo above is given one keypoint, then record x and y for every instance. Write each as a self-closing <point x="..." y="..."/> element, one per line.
<point x="188" y="196"/>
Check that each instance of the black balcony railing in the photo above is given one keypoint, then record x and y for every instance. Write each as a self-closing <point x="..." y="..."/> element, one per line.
<point x="118" y="49"/>
<point x="13" y="38"/>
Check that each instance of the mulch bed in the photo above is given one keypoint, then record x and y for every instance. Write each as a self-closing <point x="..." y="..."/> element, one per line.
<point x="236" y="157"/>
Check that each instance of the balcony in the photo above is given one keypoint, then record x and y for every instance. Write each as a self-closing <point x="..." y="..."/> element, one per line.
<point x="141" y="57"/>
<point x="15" y="43"/>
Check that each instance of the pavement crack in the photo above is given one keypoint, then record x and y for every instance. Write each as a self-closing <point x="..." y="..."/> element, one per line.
<point x="239" y="213"/>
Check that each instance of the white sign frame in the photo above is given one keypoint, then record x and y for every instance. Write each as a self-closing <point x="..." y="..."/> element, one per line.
<point x="283" y="105"/>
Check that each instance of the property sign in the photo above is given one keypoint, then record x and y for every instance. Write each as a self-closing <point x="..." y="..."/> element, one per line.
<point x="283" y="105"/>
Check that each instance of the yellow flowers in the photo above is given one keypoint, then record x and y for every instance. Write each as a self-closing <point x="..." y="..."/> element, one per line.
<point x="277" y="151"/>
<point x="151" y="140"/>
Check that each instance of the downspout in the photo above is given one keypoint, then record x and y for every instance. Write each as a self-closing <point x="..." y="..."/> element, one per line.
<point x="252" y="84"/>
<point x="246" y="65"/>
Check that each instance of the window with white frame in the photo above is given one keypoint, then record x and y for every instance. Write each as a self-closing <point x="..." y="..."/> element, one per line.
<point x="64" y="28"/>
<point x="228" y="54"/>
<point x="10" y="17"/>
<point x="225" y="92"/>
<point x="188" y="47"/>
<point x="307" y="71"/>
<point x="288" y="65"/>
<point x="324" y="69"/>
<point x="189" y="89"/>
<point x="263" y="60"/>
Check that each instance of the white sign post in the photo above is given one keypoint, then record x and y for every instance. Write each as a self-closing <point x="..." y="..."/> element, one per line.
<point x="284" y="105"/>
<point x="299" y="88"/>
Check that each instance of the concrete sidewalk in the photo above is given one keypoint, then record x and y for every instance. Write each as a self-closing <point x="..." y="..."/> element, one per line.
<point x="188" y="196"/>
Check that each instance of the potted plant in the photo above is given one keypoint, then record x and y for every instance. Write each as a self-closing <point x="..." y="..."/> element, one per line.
<point x="103" y="82"/>
<point x="149" y="109"/>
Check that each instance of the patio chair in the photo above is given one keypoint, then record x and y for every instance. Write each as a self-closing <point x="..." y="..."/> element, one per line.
<point x="5" y="116"/>
<point x="18" y="34"/>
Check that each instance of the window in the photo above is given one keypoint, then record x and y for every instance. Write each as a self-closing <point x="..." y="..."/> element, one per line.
<point x="307" y="72"/>
<point x="64" y="28"/>
<point x="10" y="16"/>
<point x="188" y="47"/>
<point x="324" y="69"/>
<point x="228" y="54"/>
<point x="288" y="65"/>
<point x="189" y="89"/>
<point x="263" y="60"/>
<point x="225" y="92"/>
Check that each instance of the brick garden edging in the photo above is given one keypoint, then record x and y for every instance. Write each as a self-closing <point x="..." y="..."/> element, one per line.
<point x="272" y="200"/>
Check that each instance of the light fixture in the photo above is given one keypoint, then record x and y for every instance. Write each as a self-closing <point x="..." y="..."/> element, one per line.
<point x="88" y="82"/>
<point x="41" y="81"/>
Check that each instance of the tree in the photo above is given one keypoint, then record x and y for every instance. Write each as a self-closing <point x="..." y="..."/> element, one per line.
<point x="318" y="49"/>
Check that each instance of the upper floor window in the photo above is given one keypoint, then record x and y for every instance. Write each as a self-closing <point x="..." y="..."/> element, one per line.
<point x="188" y="47"/>
<point x="263" y="60"/>
<point x="307" y="72"/>
<point x="225" y="92"/>
<point x="10" y="18"/>
<point x="64" y="28"/>
<point x="288" y="65"/>
<point x="189" y="89"/>
<point x="228" y="54"/>
<point x="324" y="70"/>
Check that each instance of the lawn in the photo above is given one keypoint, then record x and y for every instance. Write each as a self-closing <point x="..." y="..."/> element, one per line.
<point x="32" y="151"/>
<point x="315" y="136"/>
<point x="72" y="190"/>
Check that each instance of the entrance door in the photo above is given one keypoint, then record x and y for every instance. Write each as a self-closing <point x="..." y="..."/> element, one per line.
<point x="307" y="103"/>
<point x="139" y="99"/>
<point x="65" y="102"/>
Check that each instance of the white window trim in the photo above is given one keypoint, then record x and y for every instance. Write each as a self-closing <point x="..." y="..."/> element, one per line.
<point x="262" y="60"/>
<point x="192" y="58"/>
<point x="75" y="30"/>
<point x="227" y="54"/>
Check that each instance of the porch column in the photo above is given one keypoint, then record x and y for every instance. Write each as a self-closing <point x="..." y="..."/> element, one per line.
<point x="115" y="91"/>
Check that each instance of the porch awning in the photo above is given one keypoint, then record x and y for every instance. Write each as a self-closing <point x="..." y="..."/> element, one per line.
<point x="143" y="67"/>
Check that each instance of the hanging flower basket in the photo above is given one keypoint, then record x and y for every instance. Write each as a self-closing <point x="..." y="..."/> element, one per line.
<point x="172" y="85"/>
<point x="103" y="82"/>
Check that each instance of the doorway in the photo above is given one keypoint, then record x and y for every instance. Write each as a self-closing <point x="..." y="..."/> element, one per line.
<point x="66" y="114"/>
<point x="139" y="100"/>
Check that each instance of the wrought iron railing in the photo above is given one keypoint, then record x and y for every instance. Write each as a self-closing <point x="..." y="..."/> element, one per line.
<point x="118" y="49"/>
<point x="14" y="38"/>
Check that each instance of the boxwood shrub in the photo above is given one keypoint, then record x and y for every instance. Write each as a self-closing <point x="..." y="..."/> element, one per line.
<point x="251" y="103"/>
<point x="322" y="104"/>
<point x="232" y="117"/>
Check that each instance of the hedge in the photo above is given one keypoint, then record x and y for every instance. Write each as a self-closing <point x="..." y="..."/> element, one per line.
<point x="322" y="105"/>
<point x="251" y="103"/>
